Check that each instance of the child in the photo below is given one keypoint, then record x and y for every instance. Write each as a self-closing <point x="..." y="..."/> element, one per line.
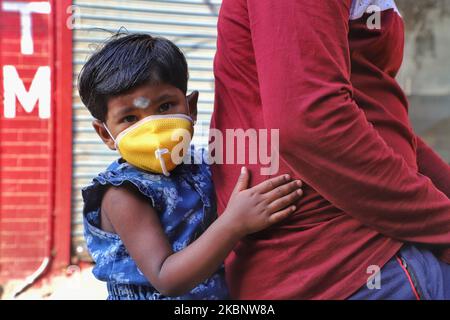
<point x="151" y="224"/>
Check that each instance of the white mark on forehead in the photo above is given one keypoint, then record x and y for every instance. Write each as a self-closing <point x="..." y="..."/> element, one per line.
<point x="141" y="102"/>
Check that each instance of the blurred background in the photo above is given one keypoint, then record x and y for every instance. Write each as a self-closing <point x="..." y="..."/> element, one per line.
<point x="48" y="149"/>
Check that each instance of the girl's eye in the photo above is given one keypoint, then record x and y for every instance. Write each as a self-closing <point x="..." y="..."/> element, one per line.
<point x="129" y="119"/>
<point x="165" y="107"/>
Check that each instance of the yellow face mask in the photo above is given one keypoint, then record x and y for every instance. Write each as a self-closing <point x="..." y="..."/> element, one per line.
<point x="156" y="143"/>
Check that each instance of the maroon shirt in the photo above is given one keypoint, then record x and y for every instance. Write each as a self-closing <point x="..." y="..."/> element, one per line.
<point x="315" y="71"/>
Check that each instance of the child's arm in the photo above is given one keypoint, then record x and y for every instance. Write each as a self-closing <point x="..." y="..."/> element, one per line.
<point x="173" y="274"/>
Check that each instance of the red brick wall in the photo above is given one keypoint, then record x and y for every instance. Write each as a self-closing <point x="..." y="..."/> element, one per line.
<point x="28" y="143"/>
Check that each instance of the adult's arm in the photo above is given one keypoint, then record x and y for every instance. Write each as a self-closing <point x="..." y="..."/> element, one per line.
<point x="433" y="166"/>
<point x="303" y="63"/>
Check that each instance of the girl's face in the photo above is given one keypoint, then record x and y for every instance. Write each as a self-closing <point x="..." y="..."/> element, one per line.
<point x="147" y="100"/>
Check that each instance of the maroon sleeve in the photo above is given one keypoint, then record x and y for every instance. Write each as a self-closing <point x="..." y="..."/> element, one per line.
<point x="433" y="166"/>
<point x="303" y="62"/>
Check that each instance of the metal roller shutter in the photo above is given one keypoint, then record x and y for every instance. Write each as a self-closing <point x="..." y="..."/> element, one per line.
<point x="191" y="24"/>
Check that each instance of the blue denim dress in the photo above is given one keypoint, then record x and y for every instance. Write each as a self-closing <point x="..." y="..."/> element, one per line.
<point x="185" y="202"/>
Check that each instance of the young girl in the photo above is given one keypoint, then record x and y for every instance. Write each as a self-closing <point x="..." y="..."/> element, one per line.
<point x="151" y="224"/>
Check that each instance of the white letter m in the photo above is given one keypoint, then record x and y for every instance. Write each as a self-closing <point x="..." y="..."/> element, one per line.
<point x="40" y="90"/>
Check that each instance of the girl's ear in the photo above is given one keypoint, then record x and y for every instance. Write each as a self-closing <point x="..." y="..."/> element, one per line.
<point x="104" y="134"/>
<point x="192" y="102"/>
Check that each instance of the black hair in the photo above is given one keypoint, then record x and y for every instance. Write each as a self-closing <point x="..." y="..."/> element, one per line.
<point x="126" y="62"/>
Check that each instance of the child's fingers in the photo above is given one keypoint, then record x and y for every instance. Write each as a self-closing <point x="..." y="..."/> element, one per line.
<point x="243" y="181"/>
<point x="281" y="215"/>
<point x="283" y="190"/>
<point x="272" y="183"/>
<point x="285" y="201"/>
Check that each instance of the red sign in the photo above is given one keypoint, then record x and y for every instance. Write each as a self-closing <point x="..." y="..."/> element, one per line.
<point x="35" y="136"/>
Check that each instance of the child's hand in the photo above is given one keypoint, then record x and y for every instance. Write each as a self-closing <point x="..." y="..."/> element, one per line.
<point x="252" y="210"/>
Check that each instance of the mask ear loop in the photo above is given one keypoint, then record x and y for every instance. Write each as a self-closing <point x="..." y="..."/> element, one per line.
<point x="109" y="132"/>
<point x="158" y="154"/>
<point x="189" y="111"/>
